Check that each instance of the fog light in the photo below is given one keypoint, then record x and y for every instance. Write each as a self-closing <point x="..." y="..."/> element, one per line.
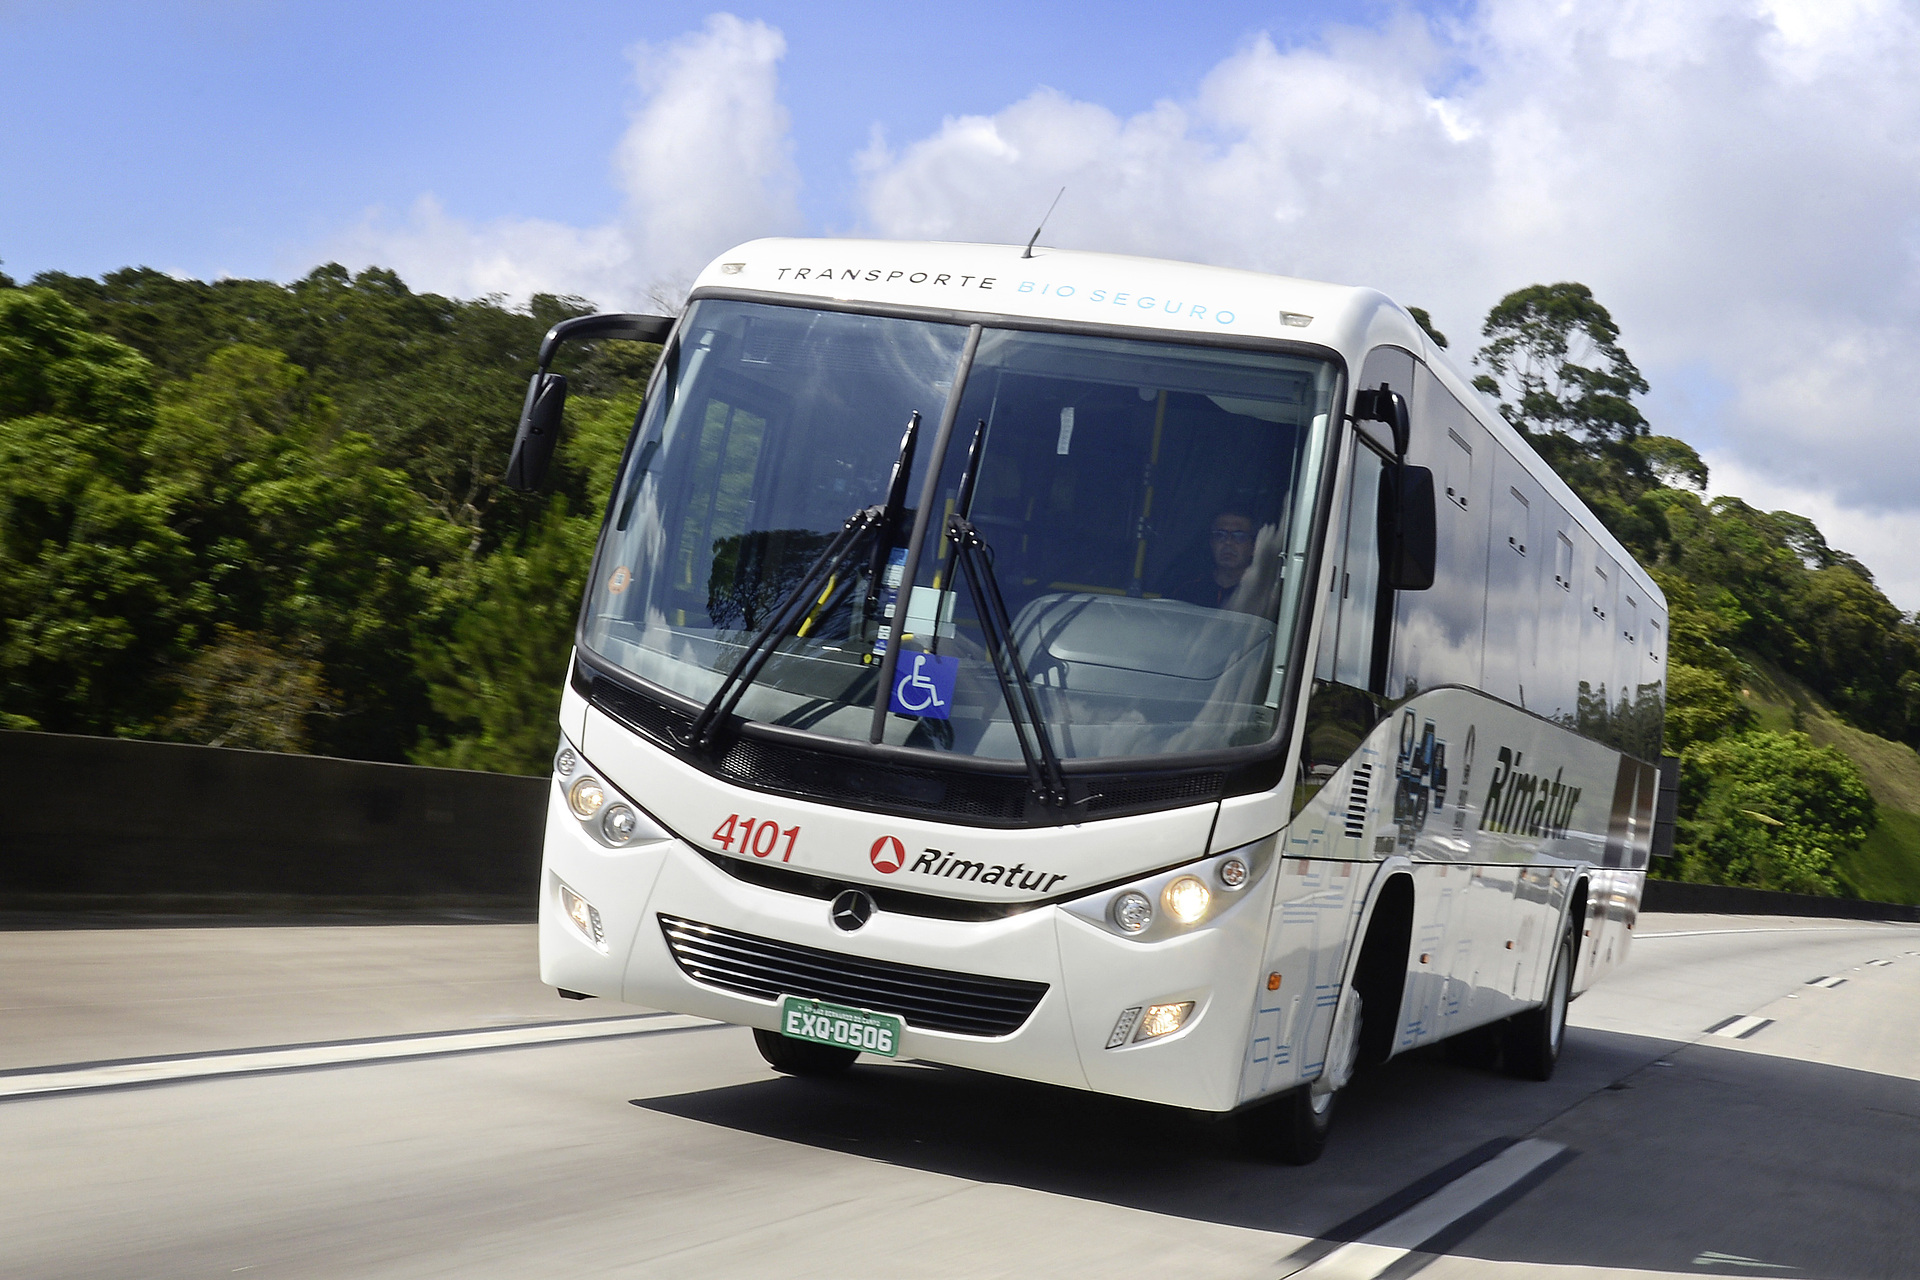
<point x="619" y="823"/>
<point x="566" y="762"/>
<point x="585" y="918"/>
<point x="1132" y="912"/>
<point x="1187" y="899"/>
<point x="1233" y="873"/>
<point x="586" y="797"/>
<point x="1163" y="1019"/>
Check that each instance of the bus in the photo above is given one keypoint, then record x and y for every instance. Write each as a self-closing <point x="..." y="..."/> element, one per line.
<point x="1149" y="678"/>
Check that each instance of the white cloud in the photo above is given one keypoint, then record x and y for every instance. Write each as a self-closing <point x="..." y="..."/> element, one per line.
<point x="1737" y="180"/>
<point x="706" y="162"/>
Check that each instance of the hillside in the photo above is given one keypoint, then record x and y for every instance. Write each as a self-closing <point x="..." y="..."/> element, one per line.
<point x="1887" y="867"/>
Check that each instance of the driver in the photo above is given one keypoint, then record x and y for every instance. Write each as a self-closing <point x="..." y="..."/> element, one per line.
<point x="1230" y="541"/>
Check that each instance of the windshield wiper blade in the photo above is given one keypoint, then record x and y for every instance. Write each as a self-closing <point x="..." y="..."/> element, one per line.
<point x="792" y="610"/>
<point x="970" y="550"/>
<point x="798" y="604"/>
<point x="1036" y="743"/>
<point x="890" y="517"/>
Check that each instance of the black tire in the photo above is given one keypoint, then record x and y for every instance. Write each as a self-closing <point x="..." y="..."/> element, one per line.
<point x="1293" y="1128"/>
<point x="1533" y="1039"/>
<point x="802" y="1057"/>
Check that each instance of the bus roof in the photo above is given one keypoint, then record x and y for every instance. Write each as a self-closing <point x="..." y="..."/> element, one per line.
<point x="1074" y="286"/>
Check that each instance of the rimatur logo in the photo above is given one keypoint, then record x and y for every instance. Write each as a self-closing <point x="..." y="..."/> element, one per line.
<point x="888" y="855"/>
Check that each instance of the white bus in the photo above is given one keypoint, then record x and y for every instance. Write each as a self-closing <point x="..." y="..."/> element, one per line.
<point x="1156" y="679"/>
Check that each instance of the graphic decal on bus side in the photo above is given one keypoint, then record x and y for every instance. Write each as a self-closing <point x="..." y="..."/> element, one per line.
<point x="1413" y="786"/>
<point x="1526" y="804"/>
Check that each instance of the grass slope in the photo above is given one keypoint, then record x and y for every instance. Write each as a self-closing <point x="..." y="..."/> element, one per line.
<point x="1887" y="867"/>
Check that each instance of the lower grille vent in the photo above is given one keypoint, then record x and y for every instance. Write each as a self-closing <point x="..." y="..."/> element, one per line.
<point x="930" y="999"/>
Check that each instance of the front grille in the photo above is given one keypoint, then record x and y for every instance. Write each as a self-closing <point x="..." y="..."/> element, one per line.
<point x="930" y="999"/>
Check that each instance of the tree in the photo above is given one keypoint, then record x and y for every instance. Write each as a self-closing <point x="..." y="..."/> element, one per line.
<point x="95" y="584"/>
<point x="1770" y="811"/>
<point x="1554" y="362"/>
<point x="496" y="676"/>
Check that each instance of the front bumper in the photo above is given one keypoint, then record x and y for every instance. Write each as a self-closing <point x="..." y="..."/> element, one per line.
<point x="1091" y="975"/>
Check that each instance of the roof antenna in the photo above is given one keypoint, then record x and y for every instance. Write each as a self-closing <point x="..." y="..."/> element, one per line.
<point x="1043" y="222"/>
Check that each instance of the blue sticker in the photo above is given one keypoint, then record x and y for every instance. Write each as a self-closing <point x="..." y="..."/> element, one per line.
<point x="923" y="686"/>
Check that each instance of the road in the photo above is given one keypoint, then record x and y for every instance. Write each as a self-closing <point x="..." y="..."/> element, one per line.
<point x="405" y="1121"/>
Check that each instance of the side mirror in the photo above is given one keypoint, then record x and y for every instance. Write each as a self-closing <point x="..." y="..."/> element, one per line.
<point x="1383" y="404"/>
<point x="539" y="432"/>
<point x="547" y="392"/>
<point x="1407" y="531"/>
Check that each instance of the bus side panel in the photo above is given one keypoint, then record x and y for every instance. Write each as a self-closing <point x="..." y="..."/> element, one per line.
<point x="1321" y="890"/>
<point x="1500" y="814"/>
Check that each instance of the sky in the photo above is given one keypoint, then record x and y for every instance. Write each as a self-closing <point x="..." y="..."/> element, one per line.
<point x="1735" y="179"/>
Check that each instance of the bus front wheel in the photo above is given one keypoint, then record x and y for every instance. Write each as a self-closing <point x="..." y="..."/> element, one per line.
<point x="1293" y="1128"/>
<point x="802" y="1057"/>
<point x="1532" y="1042"/>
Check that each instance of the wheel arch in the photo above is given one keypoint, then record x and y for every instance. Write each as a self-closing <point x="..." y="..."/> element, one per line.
<point x="1378" y="973"/>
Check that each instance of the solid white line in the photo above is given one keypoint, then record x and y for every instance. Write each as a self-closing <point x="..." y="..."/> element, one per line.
<point x="161" y="1070"/>
<point x="1379" y="1249"/>
<point x="1813" y="928"/>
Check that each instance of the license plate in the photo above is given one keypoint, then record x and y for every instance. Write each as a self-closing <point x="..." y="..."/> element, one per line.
<point x="836" y="1024"/>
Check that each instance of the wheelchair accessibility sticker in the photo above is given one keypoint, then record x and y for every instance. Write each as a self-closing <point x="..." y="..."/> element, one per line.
<point x="923" y="686"/>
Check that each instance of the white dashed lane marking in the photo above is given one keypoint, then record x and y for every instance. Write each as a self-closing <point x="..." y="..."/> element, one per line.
<point x="1739" y="1028"/>
<point x="83" y="1077"/>
<point x="1825" y="982"/>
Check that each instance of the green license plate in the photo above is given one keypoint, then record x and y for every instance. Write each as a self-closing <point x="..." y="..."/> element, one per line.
<point x="836" y="1024"/>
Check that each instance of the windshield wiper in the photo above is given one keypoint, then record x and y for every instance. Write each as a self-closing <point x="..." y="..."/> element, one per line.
<point x="975" y="560"/>
<point x="799" y="604"/>
<point x="785" y="617"/>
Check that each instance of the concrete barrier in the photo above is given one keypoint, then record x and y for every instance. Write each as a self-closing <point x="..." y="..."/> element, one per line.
<point x="1714" y="899"/>
<point x="106" y="824"/>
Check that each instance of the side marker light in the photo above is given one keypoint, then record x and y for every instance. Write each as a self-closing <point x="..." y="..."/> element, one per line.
<point x="1233" y="873"/>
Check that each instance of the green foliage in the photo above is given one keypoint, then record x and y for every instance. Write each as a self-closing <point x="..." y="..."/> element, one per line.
<point x="1554" y="362"/>
<point x="272" y="515"/>
<point x="1771" y="810"/>
<point x="1425" y="321"/>
<point x="497" y="677"/>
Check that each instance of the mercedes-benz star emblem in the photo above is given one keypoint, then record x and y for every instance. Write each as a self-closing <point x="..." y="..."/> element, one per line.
<point x="851" y="909"/>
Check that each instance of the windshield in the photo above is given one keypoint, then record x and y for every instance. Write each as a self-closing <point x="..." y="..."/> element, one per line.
<point x="1141" y="508"/>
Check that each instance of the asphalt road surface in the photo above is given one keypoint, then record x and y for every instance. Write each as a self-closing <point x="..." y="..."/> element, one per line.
<point x="1742" y="1099"/>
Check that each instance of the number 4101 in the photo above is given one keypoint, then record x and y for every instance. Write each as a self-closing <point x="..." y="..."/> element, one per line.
<point x="757" y="838"/>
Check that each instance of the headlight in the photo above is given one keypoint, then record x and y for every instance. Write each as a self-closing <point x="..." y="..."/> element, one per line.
<point x="619" y="823"/>
<point x="586" y="797"/>
<point x="1132" y="912"/>
<point x="1186" y="899"/>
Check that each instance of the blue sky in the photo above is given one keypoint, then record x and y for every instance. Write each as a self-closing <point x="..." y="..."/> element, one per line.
<point x="1736" y="179"/>
<point x="221" y="136"/>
